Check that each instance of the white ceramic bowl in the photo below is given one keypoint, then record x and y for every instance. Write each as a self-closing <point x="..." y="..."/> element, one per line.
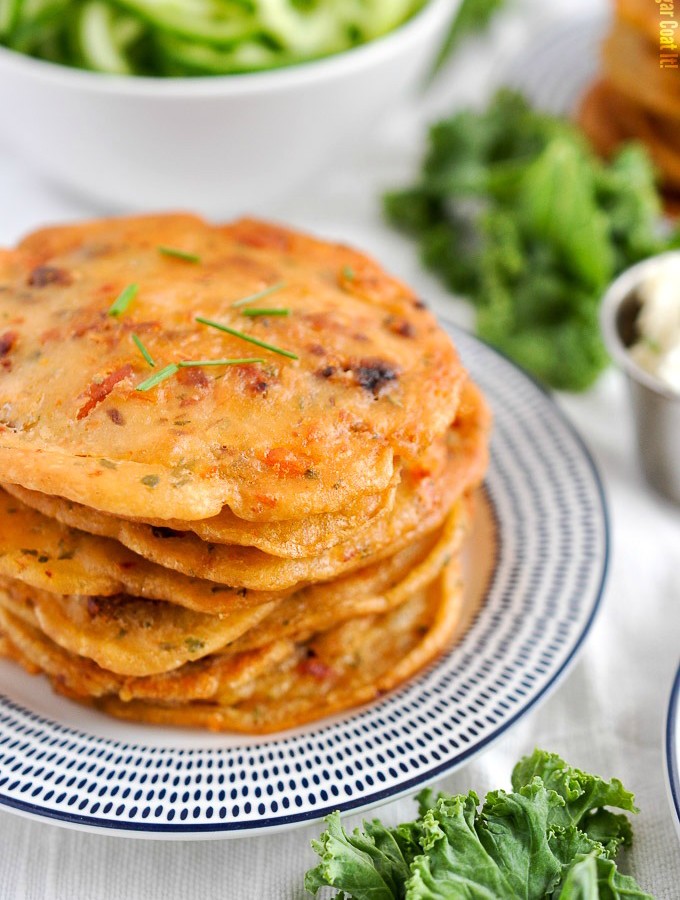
<point x="219" y="145"/>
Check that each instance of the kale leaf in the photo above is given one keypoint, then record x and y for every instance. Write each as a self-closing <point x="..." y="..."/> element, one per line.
<point x="553" y="837"/>
<point x="513" y="210"/>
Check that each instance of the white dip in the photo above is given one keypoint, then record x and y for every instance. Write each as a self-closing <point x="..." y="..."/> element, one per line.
<point x="658" y="349"/>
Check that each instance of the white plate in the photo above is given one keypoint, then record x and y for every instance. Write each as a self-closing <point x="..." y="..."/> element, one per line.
<point x="672" y="747"/>
<point x="538" y="557"/>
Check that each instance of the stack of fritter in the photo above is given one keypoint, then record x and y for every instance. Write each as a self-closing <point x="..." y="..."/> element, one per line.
<point x="637" y="96"/>
<point x="237" y="464"/>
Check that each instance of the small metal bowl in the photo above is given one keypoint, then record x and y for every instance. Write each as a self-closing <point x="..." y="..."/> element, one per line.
<point x="656" y="406"/>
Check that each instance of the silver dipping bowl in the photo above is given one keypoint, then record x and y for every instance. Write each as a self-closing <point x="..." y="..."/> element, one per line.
<point x="656" y="407"/>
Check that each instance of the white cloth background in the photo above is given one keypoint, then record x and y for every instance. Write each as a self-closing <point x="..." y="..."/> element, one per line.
<point x="609" y="714"/>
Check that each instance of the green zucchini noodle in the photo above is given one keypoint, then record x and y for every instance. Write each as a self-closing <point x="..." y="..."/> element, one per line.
<point x="184" y="38"/>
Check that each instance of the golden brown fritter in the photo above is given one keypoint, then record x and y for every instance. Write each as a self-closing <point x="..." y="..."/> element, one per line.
<point x="375" y="377"/>
<point x="281" y="685"/>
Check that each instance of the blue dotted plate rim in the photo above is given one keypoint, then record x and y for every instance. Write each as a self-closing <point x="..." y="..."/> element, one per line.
<point x="673" y="748"/>
<point x="374" y="798"/>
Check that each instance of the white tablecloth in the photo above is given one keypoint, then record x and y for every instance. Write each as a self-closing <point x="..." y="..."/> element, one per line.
<point x="607" y="717"/>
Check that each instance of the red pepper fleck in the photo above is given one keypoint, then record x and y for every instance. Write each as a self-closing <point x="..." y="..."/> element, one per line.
<point x="98" y="392"/>
<point x="316" y="669"/>
<point x="261" y="234"/>
<point x="265" y="502"/>
<point x="284" y="462"/>
<point x="52" y="334"/>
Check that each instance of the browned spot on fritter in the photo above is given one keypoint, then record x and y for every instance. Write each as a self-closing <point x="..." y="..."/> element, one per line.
<point x="197" y="381"/>
<point x="370" y="373"/>
<point x="193" y="376"/>
<point x="316" y="350"/>
<point x="98" y="392"/>
<point x="399" y="326"/>
<point x="44" y="275"/>
<point x="116" y="416"/>
<point x="98" y="325"/>
<point x="324" y="322"/>
<point x="250" y="379"/>
<point x="112" y="608"/>
<point x="373" y="374"/>
<point x="100" y="322"/>
<point x="7" y="341"/>
<point x="94" y="607"/>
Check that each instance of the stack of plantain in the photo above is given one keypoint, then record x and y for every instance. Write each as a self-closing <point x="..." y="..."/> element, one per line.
<point x="237" y="470"/>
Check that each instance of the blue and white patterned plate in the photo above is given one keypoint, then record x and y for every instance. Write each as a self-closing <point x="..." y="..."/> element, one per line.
<point x="562" y="58"/>
<point x="672" y="747"/>
<point x="537" y="564"/>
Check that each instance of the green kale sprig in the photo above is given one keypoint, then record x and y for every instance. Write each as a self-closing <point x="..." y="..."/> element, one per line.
<point x="513" y="210"/>
<point x="553" y="837"/>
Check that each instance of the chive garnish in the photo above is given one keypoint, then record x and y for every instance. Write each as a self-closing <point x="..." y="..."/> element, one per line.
<point x="142" y="349"/>
<point x="246" y="337"/>
<point x="179" y="254"/>
<point x="166" y="372"/>
<point x="186" y="363"/>
<point x="251" y="298"/>
<point x="124" y="299"/>
<point x="253" y="311"/>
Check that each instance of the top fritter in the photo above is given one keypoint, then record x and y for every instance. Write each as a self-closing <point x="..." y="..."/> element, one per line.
<point x="353" y="372"/>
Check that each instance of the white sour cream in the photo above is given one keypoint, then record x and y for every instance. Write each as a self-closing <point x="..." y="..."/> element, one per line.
<point x="658" y="349"/>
